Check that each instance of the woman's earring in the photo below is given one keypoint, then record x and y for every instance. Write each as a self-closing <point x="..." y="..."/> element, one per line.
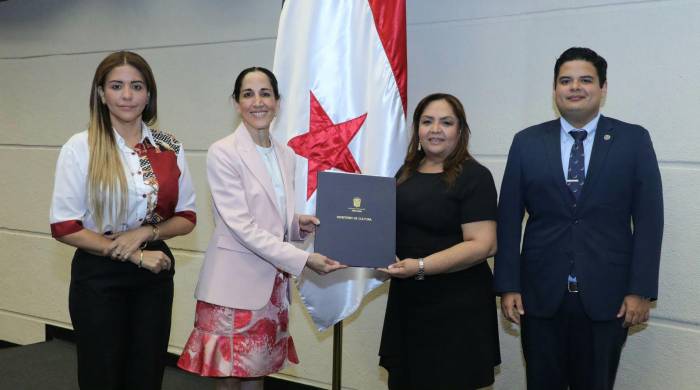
<point x="419" y="146"/>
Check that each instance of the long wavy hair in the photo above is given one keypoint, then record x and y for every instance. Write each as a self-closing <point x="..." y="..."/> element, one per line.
<point x="452" y="166"/>
<point x="106" y="183"/>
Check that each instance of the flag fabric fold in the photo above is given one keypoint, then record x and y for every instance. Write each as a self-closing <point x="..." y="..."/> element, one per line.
<point x="341" y="67"/>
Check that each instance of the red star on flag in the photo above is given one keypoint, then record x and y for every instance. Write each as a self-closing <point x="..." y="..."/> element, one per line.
<point x="326" y="144"/>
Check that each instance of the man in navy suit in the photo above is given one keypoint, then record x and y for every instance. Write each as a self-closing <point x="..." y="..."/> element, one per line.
<point x="589" y="264"/>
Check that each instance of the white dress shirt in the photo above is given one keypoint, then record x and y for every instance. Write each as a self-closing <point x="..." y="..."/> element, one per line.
<point x="567" y="141"/>
<point x="273" y="168"/>
<point x="148" y="168"/>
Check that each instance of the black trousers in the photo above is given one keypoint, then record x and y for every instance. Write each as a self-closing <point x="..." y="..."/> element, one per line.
<point x="570" y="350"/>
<point x="121" y="317"/>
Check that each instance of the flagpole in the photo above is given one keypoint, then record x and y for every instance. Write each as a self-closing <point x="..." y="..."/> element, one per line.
<point x="337" y="355"/>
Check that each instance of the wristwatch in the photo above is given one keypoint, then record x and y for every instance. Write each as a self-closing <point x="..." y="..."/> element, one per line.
<point x="421" y="269"/>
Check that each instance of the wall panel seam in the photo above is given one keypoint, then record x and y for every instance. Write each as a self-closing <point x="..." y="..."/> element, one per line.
<point x="137" y="48"/>
<point x="517" y="15"/>
<point x="676" y="323"/>
<point x="661" y="322"/>
<point x="31" y="233"/>
<point x="674" y="164"/>
<point x="305" y="381"/>
<point x="22" y="232"/>
<point x="35" y="318"/>
<point x="52" y="148"/>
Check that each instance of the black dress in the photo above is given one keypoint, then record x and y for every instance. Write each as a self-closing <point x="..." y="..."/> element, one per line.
<point x="441" y="332"/>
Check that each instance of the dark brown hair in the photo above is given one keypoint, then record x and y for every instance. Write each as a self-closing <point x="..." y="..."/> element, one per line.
<point x="583" y="54"/>
<point x="452" y="166"/>
<point x="236" y="95"/>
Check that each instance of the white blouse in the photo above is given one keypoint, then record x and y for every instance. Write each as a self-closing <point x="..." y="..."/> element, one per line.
<point x="273" y="169"/>
<point x="158" y="180"/>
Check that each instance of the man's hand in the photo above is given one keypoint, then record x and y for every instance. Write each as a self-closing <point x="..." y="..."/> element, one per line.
<point x="635" y="309"/>
<point x="512" y="306"/>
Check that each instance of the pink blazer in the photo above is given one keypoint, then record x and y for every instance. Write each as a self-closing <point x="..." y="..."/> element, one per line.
<point x="249" y="245"/>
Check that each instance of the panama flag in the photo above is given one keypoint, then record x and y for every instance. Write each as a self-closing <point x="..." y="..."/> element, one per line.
<point x="341" y="67"/>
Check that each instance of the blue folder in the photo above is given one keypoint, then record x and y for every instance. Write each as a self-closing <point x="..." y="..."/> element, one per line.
<point x="358" y="219"/>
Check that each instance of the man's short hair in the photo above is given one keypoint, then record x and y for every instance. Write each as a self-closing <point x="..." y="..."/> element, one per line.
<point x="584" y="54"/>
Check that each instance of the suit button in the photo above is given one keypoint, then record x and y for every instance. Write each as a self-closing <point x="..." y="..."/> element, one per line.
<point x="576" y="221"/>
<point x="573" y="205"/>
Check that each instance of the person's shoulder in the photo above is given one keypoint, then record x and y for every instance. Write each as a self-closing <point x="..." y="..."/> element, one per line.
<point x="77" y="142"/>
<point x="400" y="171"/>
<point x="222" y="143"/>
<point x="223" y="147"/>
<point x="166" y="140"/>
<point x="81" y="137"/>
<point x="614" y="123"/>
<point x="474" y="170"/>
<point x="471" y="165"/>
<point x="538" y="129"/>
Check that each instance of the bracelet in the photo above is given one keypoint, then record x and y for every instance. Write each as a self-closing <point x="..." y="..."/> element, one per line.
<point x="156" y="232"/>
<point x="421" y="269"/>
<point x="141" y="259"/>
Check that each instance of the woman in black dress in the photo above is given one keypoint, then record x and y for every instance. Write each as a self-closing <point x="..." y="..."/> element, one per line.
<point x="441" y="328"/>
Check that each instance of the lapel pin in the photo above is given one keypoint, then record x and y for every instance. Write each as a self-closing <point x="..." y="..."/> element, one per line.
<point x="607" y="137"/>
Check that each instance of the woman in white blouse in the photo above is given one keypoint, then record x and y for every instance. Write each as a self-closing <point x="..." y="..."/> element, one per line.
<point x="121" y="188"/>
<point x="241" y="327"/>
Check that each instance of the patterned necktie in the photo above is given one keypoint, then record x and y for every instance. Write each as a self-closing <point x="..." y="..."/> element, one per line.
<point x="577" y="163"/>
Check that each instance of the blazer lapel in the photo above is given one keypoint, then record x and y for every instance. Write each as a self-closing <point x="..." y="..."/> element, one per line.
<point x="552" y="141"/>
<point x="251" y="158"/>
<point x="604" y="137"/>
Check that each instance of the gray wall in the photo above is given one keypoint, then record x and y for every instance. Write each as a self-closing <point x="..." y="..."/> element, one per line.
<point x="496" y="56"/>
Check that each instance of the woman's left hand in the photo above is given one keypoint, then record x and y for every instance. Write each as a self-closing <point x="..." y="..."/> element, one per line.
<point x="308" y="223"/>
<point x="402" y="269"/>
<point x="125" y="243"/>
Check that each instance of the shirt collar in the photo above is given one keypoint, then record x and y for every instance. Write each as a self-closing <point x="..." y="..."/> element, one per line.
<point x="590" y="127"/>
<point x="145" y="134"/>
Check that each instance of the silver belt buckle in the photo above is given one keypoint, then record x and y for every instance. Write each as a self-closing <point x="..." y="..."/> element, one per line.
<point x="572" y="287"/>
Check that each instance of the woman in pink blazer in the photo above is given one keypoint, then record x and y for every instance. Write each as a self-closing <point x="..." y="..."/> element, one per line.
<point x="240" y="332"/>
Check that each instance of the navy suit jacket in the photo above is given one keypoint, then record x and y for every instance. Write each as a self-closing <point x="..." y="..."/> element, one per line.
<point x="611" y="236"/>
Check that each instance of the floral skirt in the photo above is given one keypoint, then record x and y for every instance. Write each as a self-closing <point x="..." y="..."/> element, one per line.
<point x="242" y="343"/>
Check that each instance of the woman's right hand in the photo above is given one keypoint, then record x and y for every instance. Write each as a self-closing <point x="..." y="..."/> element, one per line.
<point x="126" y="243"/>
<point x="154" y="261"/>
<point x="322" y="264"/>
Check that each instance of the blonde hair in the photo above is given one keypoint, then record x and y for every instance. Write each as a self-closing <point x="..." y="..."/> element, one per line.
<point x="106" y="182"/>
